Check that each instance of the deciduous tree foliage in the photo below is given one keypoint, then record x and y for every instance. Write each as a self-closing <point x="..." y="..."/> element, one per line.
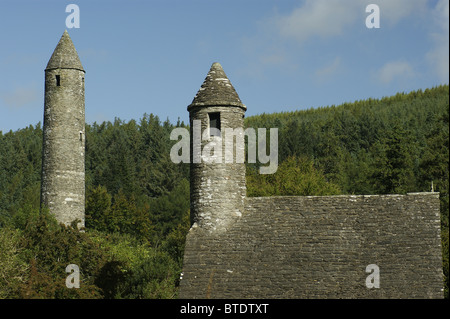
<point x="137" y="200"/>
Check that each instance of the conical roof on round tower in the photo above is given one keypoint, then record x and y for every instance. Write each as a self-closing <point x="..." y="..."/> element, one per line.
<point x="65" y="55"/>
<point x="217" y="90"/>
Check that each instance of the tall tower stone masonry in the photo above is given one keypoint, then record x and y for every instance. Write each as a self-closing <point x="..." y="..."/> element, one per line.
<point x="217" y="168"/>
<point x="63" y="159"/>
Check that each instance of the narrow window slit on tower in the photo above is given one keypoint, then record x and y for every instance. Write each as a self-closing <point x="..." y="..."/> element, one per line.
<point x="214" y="124"/>
<point x="58" y="80"/>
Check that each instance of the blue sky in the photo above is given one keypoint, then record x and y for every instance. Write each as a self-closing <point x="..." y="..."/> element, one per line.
<point x="281" y="55"/>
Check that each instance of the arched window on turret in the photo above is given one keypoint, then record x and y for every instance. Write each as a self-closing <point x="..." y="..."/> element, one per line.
<point x="58" y="80"/>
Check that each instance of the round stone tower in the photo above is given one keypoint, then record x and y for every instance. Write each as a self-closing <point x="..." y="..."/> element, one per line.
<point x="63" y="168"/>
<point x="216" y="153"/>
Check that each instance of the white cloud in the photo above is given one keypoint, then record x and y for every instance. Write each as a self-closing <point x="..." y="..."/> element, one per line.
<point x="20" y="97"/>
<point x="438" y="56"/>
<point x="395" y="70"/>
<point x="392" y="11"/>
<point x="329" y="18"/>
<point x="275" y="44"/>
<point x="322" y="18"/>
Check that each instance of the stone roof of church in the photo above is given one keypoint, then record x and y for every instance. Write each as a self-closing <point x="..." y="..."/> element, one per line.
<point x="217" y="90"/>
<point x="319" y="247"/>
<point x="65" y="55"/>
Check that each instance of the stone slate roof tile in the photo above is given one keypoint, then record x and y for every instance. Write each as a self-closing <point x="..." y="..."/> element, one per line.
<point x="65" y="55"/>
<point x="319" y="247"/>
<point x="217" y="90"/>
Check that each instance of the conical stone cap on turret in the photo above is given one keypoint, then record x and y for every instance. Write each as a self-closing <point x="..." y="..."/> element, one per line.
<point x="65" y="55"/>
<point x="217" y="90"/>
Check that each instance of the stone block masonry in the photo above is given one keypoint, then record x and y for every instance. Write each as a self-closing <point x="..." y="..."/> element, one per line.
<point x="300" y="246"/>
<point x="63" y="158"/>
<point x="319" y="247"/>
<point x="239" y="247"/>
<point x="217" y="189"/>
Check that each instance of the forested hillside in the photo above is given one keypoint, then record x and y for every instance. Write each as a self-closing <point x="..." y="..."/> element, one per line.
<point x="137" y="200"/>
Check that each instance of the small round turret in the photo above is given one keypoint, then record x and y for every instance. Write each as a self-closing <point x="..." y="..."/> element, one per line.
<point x="217" y="153"/>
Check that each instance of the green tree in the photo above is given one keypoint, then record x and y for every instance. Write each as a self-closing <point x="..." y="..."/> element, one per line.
<point x="434" y="167"/>
<point x="122" y="211"/>
<point x="50" y="248"/>
<point x="168" y="211"/>
<point x="98" y="208"/>
<point x="295" y="176"/>
<point x="156" y="277"/>
<point x="13" y="269"/>
<point x="393" y="167"/>
<point x="175" y="241"/>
